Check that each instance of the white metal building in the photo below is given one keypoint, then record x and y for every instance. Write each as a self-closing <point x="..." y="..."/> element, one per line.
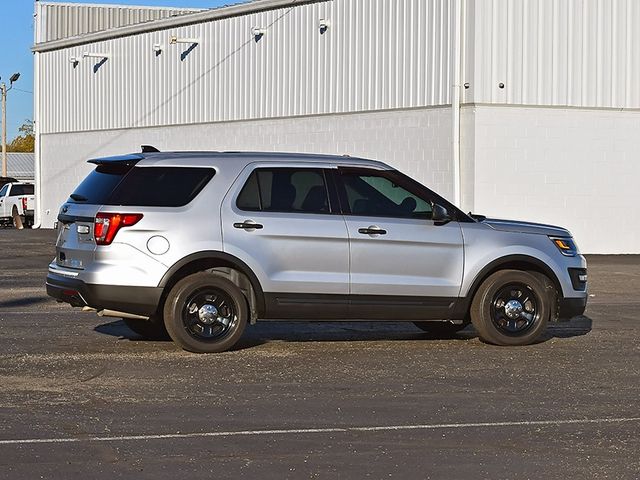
<point x="526" y="109"/>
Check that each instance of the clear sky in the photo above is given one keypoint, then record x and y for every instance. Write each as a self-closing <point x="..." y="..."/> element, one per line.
<point x="16" y="39"/>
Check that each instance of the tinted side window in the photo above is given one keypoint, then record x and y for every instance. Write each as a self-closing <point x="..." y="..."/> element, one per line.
<point x="160" y="186"/>
<point x="17" y="190"/>
<point x="249" y="198"/>
<point x="285" y="190"/>
<point x="376" y="194"/>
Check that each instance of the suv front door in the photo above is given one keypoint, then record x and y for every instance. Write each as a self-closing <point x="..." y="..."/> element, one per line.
<point x="285" y="224"/>
<point x="403" y="265"/>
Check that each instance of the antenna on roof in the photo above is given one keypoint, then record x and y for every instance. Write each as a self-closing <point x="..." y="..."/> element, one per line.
<point x="149" y="149"/>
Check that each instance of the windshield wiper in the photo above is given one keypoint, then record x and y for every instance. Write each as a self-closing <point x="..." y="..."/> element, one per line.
<point x="78" y="198"/>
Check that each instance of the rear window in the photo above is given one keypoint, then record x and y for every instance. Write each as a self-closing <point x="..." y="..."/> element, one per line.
<point x="142" y="186"/>
<point x="21" y="190"/>
<point x="97" y="187"/>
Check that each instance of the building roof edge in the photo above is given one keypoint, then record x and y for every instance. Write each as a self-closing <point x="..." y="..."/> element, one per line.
<point x="173" y="22"/>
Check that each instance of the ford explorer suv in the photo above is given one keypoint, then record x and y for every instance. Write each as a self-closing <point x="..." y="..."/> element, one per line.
<point x="200" y="244"/>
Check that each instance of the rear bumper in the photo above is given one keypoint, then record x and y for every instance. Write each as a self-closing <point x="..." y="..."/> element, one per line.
<point x="571" y="307"/>
<point x="136" y="300"/>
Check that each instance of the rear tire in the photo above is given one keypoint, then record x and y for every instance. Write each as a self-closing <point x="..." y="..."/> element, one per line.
<point x="152" y="329"/>
<point x="441" y="329"/>
<point x="205" y="313"/>
<point x="511" y="307"/>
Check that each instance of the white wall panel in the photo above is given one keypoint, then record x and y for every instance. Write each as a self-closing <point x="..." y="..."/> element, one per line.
<point x="415" y="141"/>
<point x="377" y="54"/>
<point x="571" y="167"/>
<point x="583" y="53"/>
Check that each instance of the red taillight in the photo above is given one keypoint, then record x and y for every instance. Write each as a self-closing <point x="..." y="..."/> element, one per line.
<point x="107" y="225"/>
<point x="24" y="203"/>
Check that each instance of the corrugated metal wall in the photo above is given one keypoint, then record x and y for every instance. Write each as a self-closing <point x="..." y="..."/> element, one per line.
<point x="20" y="165"/>
<point x="582" y="53"/>
<point x="376" y="54"/>
<point x="63" y="20"/>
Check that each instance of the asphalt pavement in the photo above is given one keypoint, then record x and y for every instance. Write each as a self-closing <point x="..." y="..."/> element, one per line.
<point x="83" y="397"/>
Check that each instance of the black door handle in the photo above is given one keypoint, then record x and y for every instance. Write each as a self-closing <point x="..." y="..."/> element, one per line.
<point x="372" y="231"/>
<point x="248" y="225"/>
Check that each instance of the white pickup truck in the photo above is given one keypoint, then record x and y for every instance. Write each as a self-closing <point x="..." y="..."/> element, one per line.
<point x="17" y="204"/>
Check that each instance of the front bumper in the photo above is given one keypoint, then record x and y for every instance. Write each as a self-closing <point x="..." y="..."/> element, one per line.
<point x="571" y="307"/>
<point x="130" y="299"/>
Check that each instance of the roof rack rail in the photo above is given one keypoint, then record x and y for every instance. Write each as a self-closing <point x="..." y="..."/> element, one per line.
<point x="149" y="149"/>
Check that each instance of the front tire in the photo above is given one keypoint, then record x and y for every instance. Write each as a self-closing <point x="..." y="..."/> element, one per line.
<point x="511" y="307"/>
<point x="205" y="313"/>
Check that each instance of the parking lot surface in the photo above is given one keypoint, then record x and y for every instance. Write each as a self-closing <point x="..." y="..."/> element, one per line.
<point x="83" y="397"/>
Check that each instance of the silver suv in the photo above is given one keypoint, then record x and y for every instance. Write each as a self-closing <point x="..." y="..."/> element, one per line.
<point x="199" y="244"/>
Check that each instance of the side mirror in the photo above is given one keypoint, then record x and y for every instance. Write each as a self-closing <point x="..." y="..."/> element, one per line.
<point x="440" y="215"/>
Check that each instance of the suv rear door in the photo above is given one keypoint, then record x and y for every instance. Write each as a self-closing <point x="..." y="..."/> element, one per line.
<point x="403" y="266"/>
<point x="284" y="223"/>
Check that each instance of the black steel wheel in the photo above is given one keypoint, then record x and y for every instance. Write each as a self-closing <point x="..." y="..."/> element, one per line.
<point x="152" y="329"/>
<point x="209" y="314"/>
<point x="511" y="307"/>
<point x="443" y="329"/>
<point x="205" y="313"/>
<point x="514" y="308"/>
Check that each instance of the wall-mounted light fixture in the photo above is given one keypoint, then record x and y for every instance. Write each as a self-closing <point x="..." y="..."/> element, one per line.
<point x="323" y="25"/>
<point x="258" y="32"/>
<point x="157" y="49"/>
<point x="191" y="41"/>
<point x="101" y="56"/>
<point x="74" y="61"/>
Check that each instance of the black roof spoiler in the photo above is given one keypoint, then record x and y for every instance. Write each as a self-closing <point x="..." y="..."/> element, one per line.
<point x="130" y="159"/>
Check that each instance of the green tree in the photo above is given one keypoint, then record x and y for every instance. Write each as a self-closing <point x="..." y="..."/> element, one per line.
<point x="25" y="141"/>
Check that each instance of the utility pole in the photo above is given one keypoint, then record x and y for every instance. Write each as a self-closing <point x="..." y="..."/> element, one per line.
<point x="3" y="92"/>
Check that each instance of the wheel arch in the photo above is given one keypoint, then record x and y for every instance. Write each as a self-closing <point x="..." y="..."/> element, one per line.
<point x="209" y="260"/>
<point x="510" y="262"/>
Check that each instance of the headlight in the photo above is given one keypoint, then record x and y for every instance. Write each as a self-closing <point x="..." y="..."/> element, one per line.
<point x="566" y="246"/>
